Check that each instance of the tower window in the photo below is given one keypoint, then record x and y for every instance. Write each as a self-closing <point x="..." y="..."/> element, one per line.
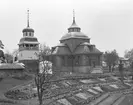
<point x="26" y="34"/>
<point x="27" y="45"/>
<point x="30" y="34"/>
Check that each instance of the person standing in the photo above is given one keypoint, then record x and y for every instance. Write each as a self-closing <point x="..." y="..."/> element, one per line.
<point x="121" y="71"/>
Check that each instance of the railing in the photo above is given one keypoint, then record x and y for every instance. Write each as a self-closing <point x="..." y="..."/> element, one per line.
<point x="28" y="48"/>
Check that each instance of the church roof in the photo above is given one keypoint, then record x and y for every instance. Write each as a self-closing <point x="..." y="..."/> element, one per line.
<point x="85" y="49"/>
<point x="61" y="50"/>
<point x="61" y="45"/>
<point x="31" y="39"/>
<point x="28" y="29"/>
<point x="74" y="35"/>
<point x="11" y="66"/>
<point x="86" y="43"/>
<point x="74" y="25"/>
<point x="95" y="50"/>
<point x="82" y="50"/>
<point x="74" y="32"/>
<point x="28" y="40"/>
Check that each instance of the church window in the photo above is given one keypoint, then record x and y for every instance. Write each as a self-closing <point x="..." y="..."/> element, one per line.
<point x="30" y="34"/>
<point x="26" y="34"/>
<point x="27" y="45"/>
<point x="75" y="30"/>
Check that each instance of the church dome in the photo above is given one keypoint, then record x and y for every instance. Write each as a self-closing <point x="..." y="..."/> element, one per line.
<point x="74" y="26"/>
<point x="74" y="32"/>
<point x="28" y="29"/>
<point x="74" y="35"/>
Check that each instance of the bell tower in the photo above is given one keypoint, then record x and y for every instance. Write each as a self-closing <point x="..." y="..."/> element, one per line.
<point x="28" y="46"/>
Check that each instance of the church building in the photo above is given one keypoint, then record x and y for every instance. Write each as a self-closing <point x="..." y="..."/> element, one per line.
<point x="28" y="48"/>
<point x="75" y="53"/>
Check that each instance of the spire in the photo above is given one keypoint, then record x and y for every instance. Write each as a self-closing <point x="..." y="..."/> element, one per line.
<point x="28" y="18"/>
<point x="73" y="16"/>
<point x="74" y="27"/>
<point x="28" y="29"/>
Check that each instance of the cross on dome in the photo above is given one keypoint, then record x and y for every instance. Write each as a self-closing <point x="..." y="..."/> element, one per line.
<point x="74" y="27"/>
<point x="28" y="18"/>
<point x="28" y="29"/>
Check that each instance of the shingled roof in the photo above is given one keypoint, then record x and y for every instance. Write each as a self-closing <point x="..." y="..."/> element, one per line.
<point x="11" y="66"/>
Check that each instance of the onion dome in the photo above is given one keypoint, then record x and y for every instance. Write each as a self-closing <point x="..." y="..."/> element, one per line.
<point x="74" y="32"/>
<point x="74" y="27"/>
<point x="79" y="35"/>
<point x="28" y="29"/>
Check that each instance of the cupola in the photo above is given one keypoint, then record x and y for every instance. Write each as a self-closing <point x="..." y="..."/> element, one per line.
<point x="28" y="31"/>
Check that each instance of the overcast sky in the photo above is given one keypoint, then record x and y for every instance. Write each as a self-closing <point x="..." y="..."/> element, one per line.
<point x="109" y="23"/>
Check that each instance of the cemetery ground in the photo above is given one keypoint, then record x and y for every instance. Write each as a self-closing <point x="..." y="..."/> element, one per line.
<point x="100" y="89"/>
<point x="9" y="83"/>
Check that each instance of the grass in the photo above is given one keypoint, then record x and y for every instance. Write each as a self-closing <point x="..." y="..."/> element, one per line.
<point x="7" y="84"/>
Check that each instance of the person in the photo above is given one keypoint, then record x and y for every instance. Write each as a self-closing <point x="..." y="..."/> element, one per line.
<point x="121" y="71"/>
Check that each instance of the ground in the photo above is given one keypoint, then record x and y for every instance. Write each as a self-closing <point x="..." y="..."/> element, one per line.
<point x="105" y="89"/>
<point x="9" y="83"/>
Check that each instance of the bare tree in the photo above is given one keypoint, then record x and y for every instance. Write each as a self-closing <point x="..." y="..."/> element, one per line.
<point x="15" y="54"/>
<point x="8" y="57"/>
<point x="42" y="78"/>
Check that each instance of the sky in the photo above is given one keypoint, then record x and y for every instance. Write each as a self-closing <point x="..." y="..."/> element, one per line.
<point x="109" y="23"/>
